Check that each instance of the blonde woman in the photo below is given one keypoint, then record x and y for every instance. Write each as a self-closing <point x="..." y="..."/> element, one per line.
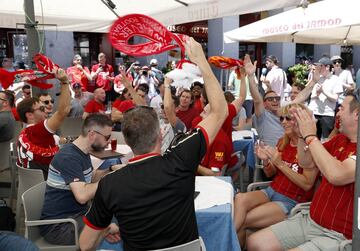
<point x="291" y="184"/>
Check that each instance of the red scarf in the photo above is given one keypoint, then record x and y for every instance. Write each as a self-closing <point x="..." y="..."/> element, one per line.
<point x="227" y="63"/>
<point x="47" y="70"/>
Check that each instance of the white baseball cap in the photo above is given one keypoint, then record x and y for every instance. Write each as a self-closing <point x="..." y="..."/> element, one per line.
<point x="153" y="61"/>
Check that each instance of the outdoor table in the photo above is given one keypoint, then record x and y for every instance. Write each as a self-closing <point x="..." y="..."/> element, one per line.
<point x="245" y="145"/>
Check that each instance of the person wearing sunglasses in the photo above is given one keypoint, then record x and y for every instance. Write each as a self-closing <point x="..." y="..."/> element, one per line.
<point x="7" y="120"/>
<point x="153" y="200"/>
<point x="73" y="180"/>
<point x="291" y="183"/>
<point x="26" y="93"/>
<point x="324" y="97"/>
<point x="329" y="221"/>
<point x="37" y="142"/>
<point x="344" y="75"/>
<point x="48" y="102"/>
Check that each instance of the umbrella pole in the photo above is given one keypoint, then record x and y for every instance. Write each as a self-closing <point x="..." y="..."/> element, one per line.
<point x="356" y="230"/>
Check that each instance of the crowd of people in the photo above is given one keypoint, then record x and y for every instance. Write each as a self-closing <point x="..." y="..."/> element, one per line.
<point x="307" y="146"/>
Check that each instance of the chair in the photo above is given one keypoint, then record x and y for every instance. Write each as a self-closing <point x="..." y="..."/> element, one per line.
<point x="195" y="245"/>
<point x="5" y="187"/>
<point x="119" y="137"/>
<point x="27" y="178"/>
<point x="33" y="200"/>
<point x="4" y="155"/>
<point x="71" y="127"/>
<point x="237" y="167"/>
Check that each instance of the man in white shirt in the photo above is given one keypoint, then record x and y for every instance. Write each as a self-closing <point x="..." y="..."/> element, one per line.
<point x="324" y="97"/>
<point x="275" y="80"/>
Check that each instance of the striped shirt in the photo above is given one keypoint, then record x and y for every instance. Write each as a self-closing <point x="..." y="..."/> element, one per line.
<point x="332" y="206"/>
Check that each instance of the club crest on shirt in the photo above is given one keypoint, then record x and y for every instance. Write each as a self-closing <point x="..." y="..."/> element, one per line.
<point x="219" y="156"/>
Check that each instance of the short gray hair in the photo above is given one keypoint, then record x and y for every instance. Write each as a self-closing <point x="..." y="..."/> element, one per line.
<point x="141" y="129"/>
<point x="76" y="57"/>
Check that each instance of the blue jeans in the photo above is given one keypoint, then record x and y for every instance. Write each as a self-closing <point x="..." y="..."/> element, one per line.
<point x="284" y="202"/>
<point x="12" y="241"/>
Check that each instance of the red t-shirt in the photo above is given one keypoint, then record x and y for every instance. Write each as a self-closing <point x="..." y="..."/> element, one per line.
<point x="198" y="105"/>
<point x="219" y="152"/>
<point x="92" y="107"/>
<point x="117" y="103"/>
<point x="78" y="76"/>
<point x="227" y="126"/>
<point x="15" y="114"/>
<point x="100" y="79"/>
<point x="187" y="116"/>
<point x="282" y="184"/>
<point x="332" y="206"/>
<point x="36" y="143"/>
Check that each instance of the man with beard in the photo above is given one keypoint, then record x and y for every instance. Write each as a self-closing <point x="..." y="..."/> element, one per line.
<point x="72" y="182"/>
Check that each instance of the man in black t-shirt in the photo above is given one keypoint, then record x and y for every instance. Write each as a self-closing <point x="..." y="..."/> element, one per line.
<point x="152" y="197"/>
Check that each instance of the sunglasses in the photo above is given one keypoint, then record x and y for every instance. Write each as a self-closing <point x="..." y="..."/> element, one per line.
<point x="106" y="137"/>
<point x="41" y="108"/>
<point x="47" y="102"/>
<point x="273" y="99"/>
<point x="287" y="118"/>
<point x="337" y="62"/>
<point x="27" y="93"/>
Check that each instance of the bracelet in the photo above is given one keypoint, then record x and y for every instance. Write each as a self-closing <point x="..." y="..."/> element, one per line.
<point x="311" y="141"/>
<point x="310" y="135"/>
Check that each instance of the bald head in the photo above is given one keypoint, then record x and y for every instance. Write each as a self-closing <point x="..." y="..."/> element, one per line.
<point x="99" y="95"/>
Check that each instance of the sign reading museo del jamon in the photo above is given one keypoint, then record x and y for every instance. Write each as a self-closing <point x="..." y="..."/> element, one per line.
<point x="303" y="25"/>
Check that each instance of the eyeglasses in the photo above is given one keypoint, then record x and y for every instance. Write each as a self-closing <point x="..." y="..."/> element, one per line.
<point x="41" y="108"/>
<point x="106" y="137"/>
<point x="287" y="118"/>
<point x="273" y="99"/>
<point x="47" y="102"/>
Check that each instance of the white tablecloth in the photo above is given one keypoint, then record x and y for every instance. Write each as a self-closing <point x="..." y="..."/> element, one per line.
<point x="213" y="192"/>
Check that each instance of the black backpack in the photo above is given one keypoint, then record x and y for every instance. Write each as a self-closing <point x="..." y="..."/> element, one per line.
<point x="7" y="217"/>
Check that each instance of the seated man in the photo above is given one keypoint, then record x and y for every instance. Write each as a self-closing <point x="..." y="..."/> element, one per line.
<point x="37" y="143"/>
<point x="330" y="219"/>
<point x="154" y="198"/>
<point x="95" y="105"/>
<point x="7" y="120"/>
<point x="72" y="181"/>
